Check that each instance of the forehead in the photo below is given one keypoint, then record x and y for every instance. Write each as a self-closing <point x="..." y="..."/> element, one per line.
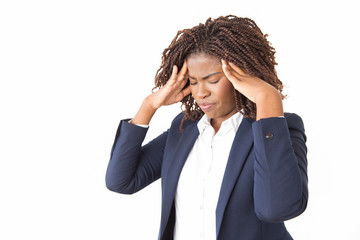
<point x="202" y="63"/>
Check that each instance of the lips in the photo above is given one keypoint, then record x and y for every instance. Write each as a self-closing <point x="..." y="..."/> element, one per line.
<point x="206" y="106"/>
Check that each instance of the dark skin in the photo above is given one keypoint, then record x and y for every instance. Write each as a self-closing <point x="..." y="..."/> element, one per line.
<point x="211" y="89"/>
<point x="211" y="84"/>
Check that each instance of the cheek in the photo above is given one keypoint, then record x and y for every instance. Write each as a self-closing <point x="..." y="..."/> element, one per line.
<point x="226" y="92"/>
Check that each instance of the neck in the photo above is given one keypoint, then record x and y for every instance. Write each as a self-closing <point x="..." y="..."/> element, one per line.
<point x="216" y="122"/>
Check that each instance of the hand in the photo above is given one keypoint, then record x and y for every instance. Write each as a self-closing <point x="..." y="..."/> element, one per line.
<point x="172" y="92"/>
<point x="250" y="86"/>
<point x="267" y="98"/>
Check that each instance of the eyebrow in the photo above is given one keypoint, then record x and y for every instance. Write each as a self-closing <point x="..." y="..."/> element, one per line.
<point x="206" y="77"/>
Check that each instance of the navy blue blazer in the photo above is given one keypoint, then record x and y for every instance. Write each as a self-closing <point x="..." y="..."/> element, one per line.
<point x="265" y="181"/>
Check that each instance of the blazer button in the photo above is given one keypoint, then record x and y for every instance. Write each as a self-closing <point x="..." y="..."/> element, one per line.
<point x="269" y="136"/>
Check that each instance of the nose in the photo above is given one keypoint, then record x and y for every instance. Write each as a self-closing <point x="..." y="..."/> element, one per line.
<point x="202" y="90"/>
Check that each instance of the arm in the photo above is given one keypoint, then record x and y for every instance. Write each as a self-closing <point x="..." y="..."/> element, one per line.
<point x="131" y="166"/>
<point x="280" y="179"/>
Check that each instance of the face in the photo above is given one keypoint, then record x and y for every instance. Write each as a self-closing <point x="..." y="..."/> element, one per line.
<point x="212" y="91"/>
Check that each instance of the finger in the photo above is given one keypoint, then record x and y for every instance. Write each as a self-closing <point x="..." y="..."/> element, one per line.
<point x="229" y="72"/>
<point x="182" y="84"/>
<point x="178" y="86"/>
<point x="186" y="91"/>
<point x="172" y="79"/>
<point x="226" y="66"/>
<point x="182" y="72"/>
<point x="233" y="67"/>
<point x="183" y="94"/>
<point x="237" y="69"/>
<point x="174" y="71"/>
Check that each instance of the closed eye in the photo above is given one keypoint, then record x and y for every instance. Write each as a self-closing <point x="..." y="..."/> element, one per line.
<point x="211" y="82"/>
<point x="214" y="82"/>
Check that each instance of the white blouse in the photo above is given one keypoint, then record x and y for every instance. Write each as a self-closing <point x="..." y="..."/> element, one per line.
<point x="200" y="180"/>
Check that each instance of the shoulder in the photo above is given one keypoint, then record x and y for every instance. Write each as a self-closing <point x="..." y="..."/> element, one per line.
<point x="178" y="119"/>
<point x="176" y="122"/>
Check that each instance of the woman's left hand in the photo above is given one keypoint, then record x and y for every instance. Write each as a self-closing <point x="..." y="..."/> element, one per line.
<point x="267" y="99"/>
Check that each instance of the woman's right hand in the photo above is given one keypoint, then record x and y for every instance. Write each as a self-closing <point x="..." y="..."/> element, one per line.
<point x="172" y="92"/>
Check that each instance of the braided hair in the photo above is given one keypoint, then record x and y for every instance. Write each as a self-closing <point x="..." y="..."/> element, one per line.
<point x="234" y="39"/>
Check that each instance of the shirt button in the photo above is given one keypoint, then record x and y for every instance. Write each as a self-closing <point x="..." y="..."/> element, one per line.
<point x="269" y="136"/>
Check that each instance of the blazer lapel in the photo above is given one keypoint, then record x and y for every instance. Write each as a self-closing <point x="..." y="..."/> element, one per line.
<point x="241" y="146"/>
<point x="181" y="152"/>
<point x="172" y="174"/>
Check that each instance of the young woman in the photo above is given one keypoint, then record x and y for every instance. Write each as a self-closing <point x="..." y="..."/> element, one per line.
<point x="232" y="164"/>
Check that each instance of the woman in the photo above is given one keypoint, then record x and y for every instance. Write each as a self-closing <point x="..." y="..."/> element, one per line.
<point x="232" y="164"/>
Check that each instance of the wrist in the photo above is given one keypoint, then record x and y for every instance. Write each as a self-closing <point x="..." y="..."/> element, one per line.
<point x="149" y="103"/>
<point x="144" y="114"/>
<point x="269" y="105"/>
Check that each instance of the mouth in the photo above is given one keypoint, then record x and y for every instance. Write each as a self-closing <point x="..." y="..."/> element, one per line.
<point x="206" y="106"/>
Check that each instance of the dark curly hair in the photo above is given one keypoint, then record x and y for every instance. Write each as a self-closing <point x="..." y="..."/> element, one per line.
<point x="234" y="39"/>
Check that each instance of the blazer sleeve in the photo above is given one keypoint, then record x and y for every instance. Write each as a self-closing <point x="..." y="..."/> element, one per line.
<point x="280" y="177"/>
<point x="133" y="166"/>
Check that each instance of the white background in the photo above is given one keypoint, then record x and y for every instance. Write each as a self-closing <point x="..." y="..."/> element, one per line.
<point x="71" y="69"/>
